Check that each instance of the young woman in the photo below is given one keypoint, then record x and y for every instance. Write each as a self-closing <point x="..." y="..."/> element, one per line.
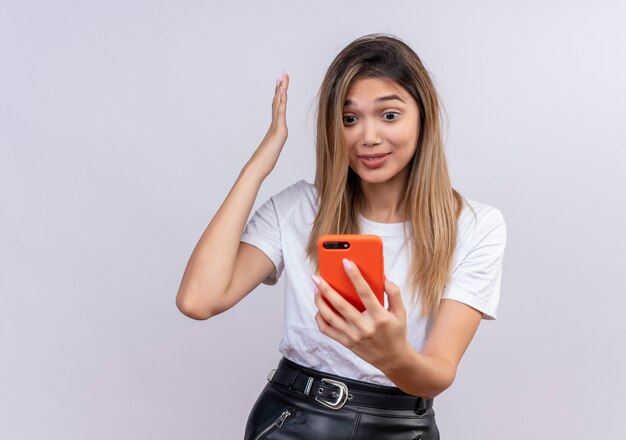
<point x="381" y="169"/>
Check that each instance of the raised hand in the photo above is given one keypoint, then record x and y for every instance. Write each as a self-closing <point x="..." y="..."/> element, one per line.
<point x="266" y="155"/>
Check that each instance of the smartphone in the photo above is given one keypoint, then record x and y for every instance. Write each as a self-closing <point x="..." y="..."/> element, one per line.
<point x="366" y="251"/>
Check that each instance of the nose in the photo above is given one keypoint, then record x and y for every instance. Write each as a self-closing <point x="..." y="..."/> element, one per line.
<point x="369" y="136"/>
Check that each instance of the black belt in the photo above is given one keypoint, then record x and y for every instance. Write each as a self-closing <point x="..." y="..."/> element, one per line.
<point x="334" y="391"/>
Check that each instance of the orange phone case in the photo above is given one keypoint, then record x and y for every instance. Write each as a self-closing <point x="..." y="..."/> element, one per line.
<point x="366" y="251"/>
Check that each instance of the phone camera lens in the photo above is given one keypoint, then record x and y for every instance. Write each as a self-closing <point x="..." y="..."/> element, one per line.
<point x="335" y="245"/>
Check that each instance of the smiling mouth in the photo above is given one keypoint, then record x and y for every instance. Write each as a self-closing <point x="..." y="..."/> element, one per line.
<point x="372" y="157"/>
<point x="374" y="161"/>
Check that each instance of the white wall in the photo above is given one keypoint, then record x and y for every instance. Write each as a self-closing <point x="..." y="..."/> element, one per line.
<point x="124" y="124"/>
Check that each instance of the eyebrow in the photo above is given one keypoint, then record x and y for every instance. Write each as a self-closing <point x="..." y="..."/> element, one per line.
<point x="377" y="100"/>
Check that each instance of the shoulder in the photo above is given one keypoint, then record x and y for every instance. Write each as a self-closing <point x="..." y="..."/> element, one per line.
<point x="479" y="219"/>
<point x="476" y="273"/>
<point x="296" y="193"/>
<point x="299" y="199"/>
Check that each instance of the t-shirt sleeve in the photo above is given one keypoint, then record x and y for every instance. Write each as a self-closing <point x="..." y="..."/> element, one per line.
<point x="476" y="278"/>
<point x="263" y="232"/>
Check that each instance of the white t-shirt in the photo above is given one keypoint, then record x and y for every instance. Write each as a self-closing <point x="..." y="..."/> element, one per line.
<point x="281" y="227"/>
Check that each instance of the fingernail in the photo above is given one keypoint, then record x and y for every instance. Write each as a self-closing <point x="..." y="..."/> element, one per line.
<point x="347" y="264"/>
<point x="316" y="280"/>
<point x="387" y="278"/>
<point x="316" y="291"/>
<point x="277" y="81"/>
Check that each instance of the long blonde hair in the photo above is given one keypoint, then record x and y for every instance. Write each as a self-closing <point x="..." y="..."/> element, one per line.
<point x="432" y="205"/>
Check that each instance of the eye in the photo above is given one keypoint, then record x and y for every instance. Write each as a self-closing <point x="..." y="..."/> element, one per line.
<point x="349" y="119"/>
<point x="393" y="114"/>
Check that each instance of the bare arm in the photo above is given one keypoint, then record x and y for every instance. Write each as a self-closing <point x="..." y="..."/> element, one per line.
<point x="432" y="371"/>
<point x="208" y="286"/>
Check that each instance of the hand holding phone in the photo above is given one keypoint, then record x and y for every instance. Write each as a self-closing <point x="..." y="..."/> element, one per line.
<point x="366" y="251"/>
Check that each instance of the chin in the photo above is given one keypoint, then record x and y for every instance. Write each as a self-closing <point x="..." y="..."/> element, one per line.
<point x="373" y="177"/>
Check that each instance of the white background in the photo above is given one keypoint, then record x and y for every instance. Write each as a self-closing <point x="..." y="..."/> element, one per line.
<point x="124" y="124"/>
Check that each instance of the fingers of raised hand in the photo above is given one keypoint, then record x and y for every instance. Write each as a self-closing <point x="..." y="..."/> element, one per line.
<point x="280" y="90"/>
<point x="284" y="84"/>
<point x="285" y="80"/>
<point x="279" y="103"/>
<point x="276" y="99"/>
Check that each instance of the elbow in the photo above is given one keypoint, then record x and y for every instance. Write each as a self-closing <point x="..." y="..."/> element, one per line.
<point x="193" y="310"/>
<point x="193" y="314"/>
<point x="434" y="392"/>
<point x="445" y="381"/>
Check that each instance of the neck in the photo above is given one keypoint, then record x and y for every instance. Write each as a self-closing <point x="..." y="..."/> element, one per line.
<point x="382" y="202"/>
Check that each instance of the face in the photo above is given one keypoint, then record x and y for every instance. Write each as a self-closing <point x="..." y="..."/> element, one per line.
<point x="380" y="130"/>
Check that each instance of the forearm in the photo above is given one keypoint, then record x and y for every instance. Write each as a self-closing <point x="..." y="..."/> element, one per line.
<point x="419" y="374"/>
<point x="210" y="268"/>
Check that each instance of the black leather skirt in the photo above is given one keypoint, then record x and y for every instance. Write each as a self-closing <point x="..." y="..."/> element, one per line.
<point x="301" y="403"/>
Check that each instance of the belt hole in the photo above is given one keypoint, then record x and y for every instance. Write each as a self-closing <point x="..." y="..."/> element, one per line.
<point x="321" y="390"/>
<point x="350" y="396"/>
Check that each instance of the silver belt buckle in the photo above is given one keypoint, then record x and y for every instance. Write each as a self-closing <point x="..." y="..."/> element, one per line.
<point x="341" y="397"/>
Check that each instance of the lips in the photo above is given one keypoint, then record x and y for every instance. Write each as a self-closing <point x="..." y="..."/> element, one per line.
<point x="373" y="160"/>
<point x="373" y="156"/>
